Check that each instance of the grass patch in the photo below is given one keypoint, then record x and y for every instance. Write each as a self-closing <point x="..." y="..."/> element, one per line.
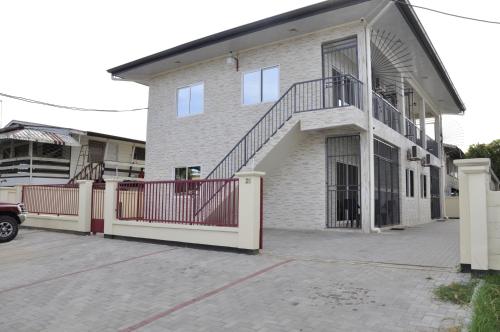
<point x="457" y="293"/>
<point x="486" y="306"/>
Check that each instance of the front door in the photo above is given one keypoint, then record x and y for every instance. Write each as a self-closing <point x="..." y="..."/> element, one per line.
<point x="386" y="160"/>
<point x="343" y="182"/>
<point x="435" y="193"/>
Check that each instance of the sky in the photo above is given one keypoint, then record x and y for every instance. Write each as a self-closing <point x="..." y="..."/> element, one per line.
<point x="59" y="51"/>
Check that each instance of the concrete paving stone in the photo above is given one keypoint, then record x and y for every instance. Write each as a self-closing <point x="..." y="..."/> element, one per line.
<point x="337" y="281"/>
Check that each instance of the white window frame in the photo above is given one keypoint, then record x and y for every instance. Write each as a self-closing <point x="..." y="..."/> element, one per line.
<point x="202" y="83"/>
<point x="261" y="91"/>
<point x="186" y="167"/>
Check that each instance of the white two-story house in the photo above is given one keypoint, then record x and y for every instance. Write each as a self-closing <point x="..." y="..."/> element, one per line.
<point x="340" y="103"/>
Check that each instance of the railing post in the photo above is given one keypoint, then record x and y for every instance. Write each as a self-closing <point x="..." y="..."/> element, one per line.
<point x="84" y="205"/>
<point x="110" y="206"/>
<point x="249" y="209"/>
<point x="474" y="177"/>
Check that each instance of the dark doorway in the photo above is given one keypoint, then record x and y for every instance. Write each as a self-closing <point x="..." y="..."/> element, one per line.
<point x="435" y="193"/>
<point x="386" y="159"/>
<point x="343" y="182"/>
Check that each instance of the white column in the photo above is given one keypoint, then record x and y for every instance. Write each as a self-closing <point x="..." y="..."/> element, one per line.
<point x="249" y="209"/>
<point x="474" y="177"/>
<point x="84" y="205"/>
<point x="422" y="124"/>
<point x="402" y="104"/>
<point x="110" y="205"/>
<point x="367" y="163"/>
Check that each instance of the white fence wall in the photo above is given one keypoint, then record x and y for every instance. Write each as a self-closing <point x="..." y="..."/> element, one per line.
<point x="479" y="216"/>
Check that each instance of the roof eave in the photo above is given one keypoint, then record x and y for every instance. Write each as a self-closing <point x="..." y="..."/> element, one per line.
<point x="411" y="18"/>
<point x="293" y="15"/>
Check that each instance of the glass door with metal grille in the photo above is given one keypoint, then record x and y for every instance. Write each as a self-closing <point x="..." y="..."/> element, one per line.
<point x="386" y="160"/>
<point x="340" y="57"/>
<point x="343" y="182"/>
<point x="435" y="193"/>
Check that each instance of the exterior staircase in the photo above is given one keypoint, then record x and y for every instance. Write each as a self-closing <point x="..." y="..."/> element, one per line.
<point x="314" y="95"/>
<point x="91" y="171"/>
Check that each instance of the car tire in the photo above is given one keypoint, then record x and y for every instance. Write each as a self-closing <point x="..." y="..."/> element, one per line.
<point x="8" y="228"/>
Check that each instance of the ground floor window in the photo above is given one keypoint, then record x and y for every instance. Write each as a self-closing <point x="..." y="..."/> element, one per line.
<point x="188" y="173"/>
<point x="410" y="183"/>
<point x="423" y="186"/>
<point x="386" y="159"/>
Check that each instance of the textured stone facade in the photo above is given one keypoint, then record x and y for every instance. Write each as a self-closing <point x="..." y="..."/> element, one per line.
<point x="295" y="190"/>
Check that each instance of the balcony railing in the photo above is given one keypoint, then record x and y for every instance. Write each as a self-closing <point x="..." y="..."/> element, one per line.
<point x="432" y="146"/>
<point x="36" y="166"/>
<point x="386" y="113"/>
<point x="413" y="133"/>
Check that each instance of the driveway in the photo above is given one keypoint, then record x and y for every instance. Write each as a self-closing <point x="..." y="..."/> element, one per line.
<point x="304" y="281"/>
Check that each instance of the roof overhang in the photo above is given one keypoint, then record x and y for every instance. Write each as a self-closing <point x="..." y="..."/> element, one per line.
<point x="425" y="43"/>
<point x="294" y="23"/>
<point x="400" y="17"/>
<point x="35" y="135"/>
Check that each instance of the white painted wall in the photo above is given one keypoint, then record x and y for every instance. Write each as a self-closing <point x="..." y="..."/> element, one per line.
<point x="479" y="216"/>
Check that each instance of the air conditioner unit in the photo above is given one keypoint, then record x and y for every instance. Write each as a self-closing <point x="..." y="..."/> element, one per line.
<point x="426" y="161"/>
<point x="412" y="153"/>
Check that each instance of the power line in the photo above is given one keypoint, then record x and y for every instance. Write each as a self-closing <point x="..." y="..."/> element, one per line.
<point x="446" y="13"/>
<point x="73" y="108"/>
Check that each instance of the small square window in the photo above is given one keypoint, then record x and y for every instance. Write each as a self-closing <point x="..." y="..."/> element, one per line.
<point x="187" y="173"/>
<point x="190" y="100"/>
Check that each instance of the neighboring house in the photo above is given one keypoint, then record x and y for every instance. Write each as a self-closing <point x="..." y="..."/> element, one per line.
<point x="32" y="153"/>
<point x="452" y="152"/>
<point x="330" y="100"/>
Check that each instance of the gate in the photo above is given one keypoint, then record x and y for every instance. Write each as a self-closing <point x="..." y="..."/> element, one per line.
<point x="435" y="193"/>
<point x="386" y="160"/>
<point x="343" y="182"/>
<point x="97" y="214"/>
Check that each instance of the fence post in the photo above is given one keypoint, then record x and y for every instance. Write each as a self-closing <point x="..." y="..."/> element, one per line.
<point x="474" y="178"/>
<point x="84" y="204"/>
<point x="110" y="201"/>
<point x="249" y="209"/>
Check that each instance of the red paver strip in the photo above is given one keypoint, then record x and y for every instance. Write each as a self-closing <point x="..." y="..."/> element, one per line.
<point x="82" y="271"/>
<point x="201" y="297"/>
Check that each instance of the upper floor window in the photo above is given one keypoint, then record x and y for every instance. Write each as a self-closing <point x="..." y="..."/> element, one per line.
<point x="260" y="86"/>
<point x="139" y="153"/>
<point x="190" y="100"/>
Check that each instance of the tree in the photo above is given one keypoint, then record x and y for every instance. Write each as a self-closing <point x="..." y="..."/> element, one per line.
<point x="491" y="150"/>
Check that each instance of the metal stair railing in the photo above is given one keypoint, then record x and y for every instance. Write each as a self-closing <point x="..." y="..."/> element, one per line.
<point x="313" y="95"/>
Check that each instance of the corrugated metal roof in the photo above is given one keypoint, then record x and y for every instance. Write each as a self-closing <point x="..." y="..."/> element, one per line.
<point x="40" y="136"/>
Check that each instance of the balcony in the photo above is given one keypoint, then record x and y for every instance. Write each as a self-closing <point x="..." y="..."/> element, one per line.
<point x="432" y="146"/>
<point x="25" y="167"/>
<point x="389" y="115"/>
<point x="386" y="113"/>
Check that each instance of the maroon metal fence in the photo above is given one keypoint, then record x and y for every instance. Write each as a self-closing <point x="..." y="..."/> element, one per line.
<point x="51" y="199"/>
<point x="97" y="213"/>
<point x="193" y="202"/>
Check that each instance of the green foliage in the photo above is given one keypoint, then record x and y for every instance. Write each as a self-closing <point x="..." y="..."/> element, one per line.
<point x="458" y="293"/>
<point x="491" y="150"/>
<point x="486" y="307"/>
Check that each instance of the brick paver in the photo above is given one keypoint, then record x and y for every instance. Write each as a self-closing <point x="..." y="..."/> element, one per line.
<point x="60" y="282"/>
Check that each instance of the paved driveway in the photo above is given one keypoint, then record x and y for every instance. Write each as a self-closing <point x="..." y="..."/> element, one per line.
<point x="60" y="282"/>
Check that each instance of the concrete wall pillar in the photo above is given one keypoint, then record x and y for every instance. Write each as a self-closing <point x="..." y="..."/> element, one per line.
<point x="84" y="204"/>
<point x="249" y="209"/>
<point x="474" y="178"/>
<point x="110" y="202"/>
